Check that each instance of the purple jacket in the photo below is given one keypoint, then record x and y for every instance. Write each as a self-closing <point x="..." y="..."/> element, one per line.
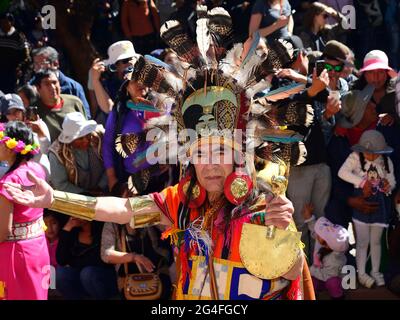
<point x="132" y="123"/>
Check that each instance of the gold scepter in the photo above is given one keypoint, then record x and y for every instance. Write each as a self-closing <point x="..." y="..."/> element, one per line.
<point x="266" y="251"/>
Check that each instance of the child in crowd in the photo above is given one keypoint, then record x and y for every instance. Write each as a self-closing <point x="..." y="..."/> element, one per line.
<point x="371" y="172"/>
<point x="52" y="231"/>
<point x="332" y="241"/>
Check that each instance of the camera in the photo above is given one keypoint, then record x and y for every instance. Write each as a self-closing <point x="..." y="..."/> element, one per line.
<point x="108" y="73"/>
<point x="32" y="113"/>
<point x="319" y="66"/>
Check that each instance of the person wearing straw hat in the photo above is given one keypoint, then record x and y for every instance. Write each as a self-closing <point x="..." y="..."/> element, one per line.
<point x="377" y="72"/>
<point x="75" y="157"/>
<point x="371" y="172"/>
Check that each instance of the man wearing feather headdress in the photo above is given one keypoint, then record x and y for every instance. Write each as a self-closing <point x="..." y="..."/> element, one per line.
<point x="233" y="239"/>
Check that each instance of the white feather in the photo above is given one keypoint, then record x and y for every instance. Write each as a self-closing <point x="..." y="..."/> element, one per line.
<point x="168" y="25"/>
<point x="174" y="81"/>
<point x="246" y="75"/>
<point x="203" y="37"/>
<point x="230" y="64"/>
<point x="258" y="107"/>
<point x="218" y="10"/>
<point x="258" y="87"/>
<point x="303" y="153"/>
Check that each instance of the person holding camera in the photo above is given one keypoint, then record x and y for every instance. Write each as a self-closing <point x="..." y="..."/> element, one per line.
<point x="12" y="109"/>
<point x="107" y="76"/>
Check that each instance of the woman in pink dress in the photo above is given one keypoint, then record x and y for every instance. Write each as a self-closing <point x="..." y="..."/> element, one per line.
<point x="24" y="256"/>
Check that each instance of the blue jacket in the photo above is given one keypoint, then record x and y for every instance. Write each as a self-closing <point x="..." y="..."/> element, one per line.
<point x="70" y="86"/>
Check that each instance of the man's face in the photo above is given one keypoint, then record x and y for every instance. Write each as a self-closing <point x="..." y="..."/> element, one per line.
<point x="212" y="166"/>
<point x="49" y="90"/>
<point x="333" y="72"/>
<point x="42" y="62"/>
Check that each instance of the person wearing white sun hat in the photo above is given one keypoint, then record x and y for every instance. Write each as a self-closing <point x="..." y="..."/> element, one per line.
<point x="106" y="76"/>
<point x="75" y="157"/>
<point x="377" y="72"/>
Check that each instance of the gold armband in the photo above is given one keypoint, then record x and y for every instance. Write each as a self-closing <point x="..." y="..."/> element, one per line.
<point x="75" y="205"/>
<point x="143" y="213"/>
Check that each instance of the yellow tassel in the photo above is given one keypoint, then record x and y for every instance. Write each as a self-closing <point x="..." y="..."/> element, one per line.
<point x="171" y="233"/>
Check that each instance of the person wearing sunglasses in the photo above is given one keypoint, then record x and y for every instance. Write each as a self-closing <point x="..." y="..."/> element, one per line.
<point x="317" y="31"/>
<point x="107" y="76"/>
<point x="335" y="56"/>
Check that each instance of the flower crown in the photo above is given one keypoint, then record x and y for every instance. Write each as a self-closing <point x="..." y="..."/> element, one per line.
<point x="17" y="145"/>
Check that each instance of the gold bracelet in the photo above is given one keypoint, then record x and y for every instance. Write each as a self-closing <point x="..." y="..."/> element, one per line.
<point x="75" y="205"/>
<point x="141" y="216"/>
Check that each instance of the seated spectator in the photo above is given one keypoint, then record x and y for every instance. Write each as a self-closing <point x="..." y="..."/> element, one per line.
<point x="145" y="252"/>
<point x="272" y="19"/>
<point x="106" y="77"/>
<point x="52" y="105"/>
<point x="29" y="95"/>
<point x="76" y="159"/>
<point x="53" y="227"/>
<point x="12" y="109"/>
<point x="316" y="31"/>
<point x="47" y="58"/>
<point x="331" y="243"/>
<point x="81" y="272"/>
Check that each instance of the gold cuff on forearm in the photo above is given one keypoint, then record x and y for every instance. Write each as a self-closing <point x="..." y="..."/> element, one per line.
<point x="143" y="215"/>
<point x="75" y="205"/>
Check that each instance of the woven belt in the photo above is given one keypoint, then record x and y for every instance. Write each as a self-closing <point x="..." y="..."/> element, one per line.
<point x="27" y="230"/>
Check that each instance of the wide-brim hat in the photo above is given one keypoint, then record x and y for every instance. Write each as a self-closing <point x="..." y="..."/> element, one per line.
<point x="353" y="106"/>
<point x="119" y="51"/>
<point x="377" y="60"/>
<point x="372" y="141"/>
<point x="75" y="126"/>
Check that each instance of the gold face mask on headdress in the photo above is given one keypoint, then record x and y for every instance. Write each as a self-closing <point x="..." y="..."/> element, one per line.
<point x="207" y="124"/>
